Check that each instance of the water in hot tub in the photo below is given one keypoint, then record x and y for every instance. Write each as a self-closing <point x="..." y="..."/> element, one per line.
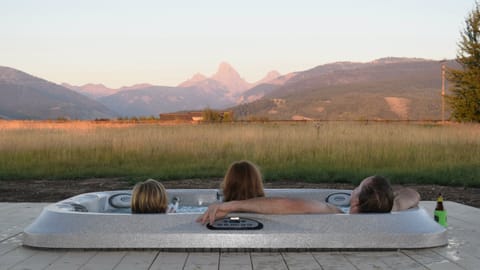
<point x="181" y="209"/>
<point x="192" y="210"/>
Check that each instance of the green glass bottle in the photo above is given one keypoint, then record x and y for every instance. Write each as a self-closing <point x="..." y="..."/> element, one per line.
<point x="440" y="214"/>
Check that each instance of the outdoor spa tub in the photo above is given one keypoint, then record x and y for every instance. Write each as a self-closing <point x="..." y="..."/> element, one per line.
<point x="102" y="220"/>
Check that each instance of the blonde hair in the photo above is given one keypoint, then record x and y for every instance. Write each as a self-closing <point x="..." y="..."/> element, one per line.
<point x="242" y="181"/>
<point x="149" y="197"/>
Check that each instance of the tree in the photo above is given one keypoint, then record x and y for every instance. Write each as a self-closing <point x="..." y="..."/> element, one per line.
<point x="465" y="97"/>
<point x="228" y="116"/>
<point x="210" y="115"/>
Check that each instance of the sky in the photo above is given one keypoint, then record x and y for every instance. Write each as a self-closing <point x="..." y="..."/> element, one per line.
<point x="120" y="43"/>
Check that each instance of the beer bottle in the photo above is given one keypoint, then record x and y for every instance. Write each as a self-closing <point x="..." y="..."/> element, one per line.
<point x="440" y="214"/>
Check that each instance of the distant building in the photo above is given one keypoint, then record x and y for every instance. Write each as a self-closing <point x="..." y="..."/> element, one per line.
<point x="182" y="116"/>
<point x="195" y="116"/>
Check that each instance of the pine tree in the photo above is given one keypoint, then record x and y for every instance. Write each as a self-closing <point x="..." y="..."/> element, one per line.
<point x="465" y="97"/>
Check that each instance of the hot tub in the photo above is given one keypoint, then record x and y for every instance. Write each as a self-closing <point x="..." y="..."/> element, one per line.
<point x="102" y="220"/>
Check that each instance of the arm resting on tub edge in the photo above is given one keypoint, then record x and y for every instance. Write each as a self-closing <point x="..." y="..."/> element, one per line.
<point x="267" y="205"/>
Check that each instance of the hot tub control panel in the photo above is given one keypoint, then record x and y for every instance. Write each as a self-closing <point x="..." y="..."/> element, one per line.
<point x="235" y="223"/>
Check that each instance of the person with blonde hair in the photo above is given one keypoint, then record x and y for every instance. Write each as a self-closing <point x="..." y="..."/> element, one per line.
<point x="149" y="197"/>
<point x="242" y="181"/>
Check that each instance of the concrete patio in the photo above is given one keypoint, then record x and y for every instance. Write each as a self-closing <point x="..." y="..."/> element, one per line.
<point x="462" y="252"/>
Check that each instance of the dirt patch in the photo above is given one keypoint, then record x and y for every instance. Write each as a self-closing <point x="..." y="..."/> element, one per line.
<point x="399" y="106"/>
<point x="56" y="190"/>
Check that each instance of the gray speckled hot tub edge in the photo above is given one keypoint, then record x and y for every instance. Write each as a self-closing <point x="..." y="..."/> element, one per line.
<point x="60" y="228"/>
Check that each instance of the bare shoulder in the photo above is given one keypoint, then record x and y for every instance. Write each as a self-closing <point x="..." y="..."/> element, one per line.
<point x="400" y="191"/>
<point x="405" y="198"/>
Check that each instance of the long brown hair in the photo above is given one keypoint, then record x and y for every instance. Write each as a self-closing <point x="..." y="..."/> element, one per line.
<point x="376" y="196"/>
<point x="149" y="197"/>
<point x="242" y="181"/>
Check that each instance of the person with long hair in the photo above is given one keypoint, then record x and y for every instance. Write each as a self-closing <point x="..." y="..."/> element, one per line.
<point x="242" y="181"/>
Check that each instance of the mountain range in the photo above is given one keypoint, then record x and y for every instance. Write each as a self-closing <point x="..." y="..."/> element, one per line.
<point x="387" y="88"/>
<point x="221" y="90"/>
<point x="24" y="96"/>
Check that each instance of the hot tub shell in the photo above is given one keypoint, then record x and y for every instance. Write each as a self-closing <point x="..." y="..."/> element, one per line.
<point x="59" y="226"/>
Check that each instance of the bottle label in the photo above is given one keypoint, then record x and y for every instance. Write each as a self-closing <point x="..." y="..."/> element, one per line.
<point x="440" y="216"/>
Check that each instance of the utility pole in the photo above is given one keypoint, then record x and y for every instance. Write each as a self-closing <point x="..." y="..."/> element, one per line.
<point x="443" y="91"/>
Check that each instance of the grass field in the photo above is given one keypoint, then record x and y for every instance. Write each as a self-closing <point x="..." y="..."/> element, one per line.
<point x="318" y="152"/>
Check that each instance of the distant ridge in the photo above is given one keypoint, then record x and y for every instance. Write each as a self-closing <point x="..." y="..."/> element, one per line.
<point x="27" y="97"/>
<point x="221" y="90"/>
<point x="99" y="90"/>
<point x="194" y="80"/>
<point x="387" y="88"/>
<point x="393" y="88"/>
<point x="271" y="76"/>
<point x="394" y="60"/>
<point x="91" y="90"/>
<point x="230" y="79"/>
<point x="134" y="87"/>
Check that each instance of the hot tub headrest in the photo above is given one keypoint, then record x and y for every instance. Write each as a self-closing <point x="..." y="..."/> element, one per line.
<point x="120" y="200"/>
<point x="71" y="206"/>
<point x="341" y="199"/>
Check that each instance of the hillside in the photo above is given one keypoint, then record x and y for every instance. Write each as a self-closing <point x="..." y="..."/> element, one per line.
<point x="161" y="99"/>
<point x="389" y="88"/>
<point x="97" y="91"/>
<point x="27" y="97"/>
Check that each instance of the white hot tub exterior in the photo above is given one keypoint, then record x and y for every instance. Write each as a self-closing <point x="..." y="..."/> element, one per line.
<point x="64" y="225"/>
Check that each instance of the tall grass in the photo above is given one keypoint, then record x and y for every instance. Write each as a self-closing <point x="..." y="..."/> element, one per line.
<point x="345" y="152"/>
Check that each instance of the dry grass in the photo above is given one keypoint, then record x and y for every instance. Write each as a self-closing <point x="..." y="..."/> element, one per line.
<point x="333" y="151"/>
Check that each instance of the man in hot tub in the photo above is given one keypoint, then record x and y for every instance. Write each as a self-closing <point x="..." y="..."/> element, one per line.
<point x="373" y="195"/>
